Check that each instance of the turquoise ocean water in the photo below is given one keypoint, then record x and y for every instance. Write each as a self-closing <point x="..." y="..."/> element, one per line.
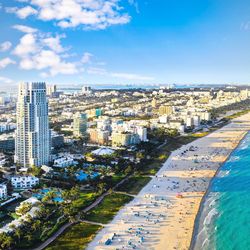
<point x="224" y="222"/>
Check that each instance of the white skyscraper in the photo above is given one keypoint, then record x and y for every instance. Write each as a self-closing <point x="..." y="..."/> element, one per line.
<point x="33" y="141"/>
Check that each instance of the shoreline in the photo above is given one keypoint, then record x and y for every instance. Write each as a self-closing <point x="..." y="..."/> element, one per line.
<point x="167" y="219"/>
<point x="197" y="218"/>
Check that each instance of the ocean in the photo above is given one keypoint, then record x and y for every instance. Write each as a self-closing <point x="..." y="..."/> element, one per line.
<point x="70" y="90"/>
<point x="224" y="222"/>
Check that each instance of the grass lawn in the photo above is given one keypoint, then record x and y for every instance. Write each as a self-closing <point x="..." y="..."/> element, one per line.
<point x="85" y="199"/>
<point x="240" y="113"/>
<point x="76" y="237"/>
<point x="199" y="134"/>
<point x="134" y="184"/>
<point x="116" y="179"/>
<point x="107" y="209"/>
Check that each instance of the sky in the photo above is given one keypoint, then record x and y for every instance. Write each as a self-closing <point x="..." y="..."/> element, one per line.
<point x="69" y="42"/>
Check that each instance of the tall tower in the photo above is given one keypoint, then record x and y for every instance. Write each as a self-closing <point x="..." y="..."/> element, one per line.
<point x="33" y="140"/>
<point x="80" y="125"/>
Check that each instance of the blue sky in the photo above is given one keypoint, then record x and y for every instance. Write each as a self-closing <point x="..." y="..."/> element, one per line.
<point x="126" y="41"/>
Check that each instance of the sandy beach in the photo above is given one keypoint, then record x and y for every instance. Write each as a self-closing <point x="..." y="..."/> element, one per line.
<point x="158" y="218"/>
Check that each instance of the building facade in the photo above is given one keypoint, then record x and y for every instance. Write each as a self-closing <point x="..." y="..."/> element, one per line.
<point x="3" y="191"/>
<point x="80" y="125"/>
<point x="22" y="182"/>
<point x="33" y="142"/>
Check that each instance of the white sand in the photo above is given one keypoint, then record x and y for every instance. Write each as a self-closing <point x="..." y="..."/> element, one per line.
<point x="156" y="218"/>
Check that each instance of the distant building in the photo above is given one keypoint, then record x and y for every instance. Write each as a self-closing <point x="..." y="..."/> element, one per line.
<point x="98" y="136"/>
<point x="196" y="120"/>
<point x="51" y="89"/>
<point x="23" y="182"/>
<point x="142" y="132"/>
<point x="154" y="103"/>
<point x="124" y="139"/>
<point x="7" y="142"/>
<point x="98" y="112"/>
<point x="165" y="110"/>
<point x="206" y="116"/>
<point x="94" y="112"/>
<point x="80" y="125"/>
<point x="3" y="191"/>
<point x="33" y="140"/>
<point x="120" y="139"/>
<point x="86" y="90"/>
<point x="189" y="121"/>
<point x="163" y="119"/>
<point x="6" y="126"/>
<point x="64" y="162"/>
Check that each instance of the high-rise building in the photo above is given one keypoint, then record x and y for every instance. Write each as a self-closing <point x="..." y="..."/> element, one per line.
<point x="98" y="136"/>
<point x="51" y="89"/>
<point x="80" y="124"/>
<point x="124" y="139"/>
<point x="33" y="142"/>
<point x="142" y="132"/>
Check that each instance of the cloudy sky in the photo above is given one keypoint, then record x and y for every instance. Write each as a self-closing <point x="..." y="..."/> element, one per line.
<point x="124" y="41"/>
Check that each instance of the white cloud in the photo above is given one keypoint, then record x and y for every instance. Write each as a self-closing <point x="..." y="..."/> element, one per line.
<point x="54" y="43"/>
<point x="43" y="52"/>
<point x="86" y="58"/>
<point x="96" y="71"/>
<point x="22" y="12"/>
<point x="5" y="80"/>
<point x="5" y="62"/>
<point x="5" y="46"/>
<point x="26" y="46"/>
<point x="135" y="4"/>
<point x="91" y="14"/>
<point x="24" y="28"/>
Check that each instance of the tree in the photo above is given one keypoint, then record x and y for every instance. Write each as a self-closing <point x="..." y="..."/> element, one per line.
<point x="18" y="234"/>
<point x="36" y="171"/>
<point x="36" y="225"/>
<point x="24" y="208"/>
<point x="5" y="241"/>
<point x="101" y="187"/>
<point x="49" y="196"/>
<point x="28" y="237"/>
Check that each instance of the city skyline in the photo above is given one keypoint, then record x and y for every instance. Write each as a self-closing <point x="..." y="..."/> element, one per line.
<point x="124" y="42"/>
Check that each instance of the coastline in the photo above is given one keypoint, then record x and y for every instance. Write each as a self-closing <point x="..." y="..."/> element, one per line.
<point x="197" y="218"/>
<point x="171" y="221"/>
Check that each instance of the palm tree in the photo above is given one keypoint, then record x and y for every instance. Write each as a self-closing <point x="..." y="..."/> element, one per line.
<point x="18" y="234"/>
<point x="36" y="225"/>
<point x="5" y="241"/>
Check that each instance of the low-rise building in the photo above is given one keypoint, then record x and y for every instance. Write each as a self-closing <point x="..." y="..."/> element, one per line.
<point x="23" y="182"/>
<point x="3" y="191"/>
<point x="64" y="162"/>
